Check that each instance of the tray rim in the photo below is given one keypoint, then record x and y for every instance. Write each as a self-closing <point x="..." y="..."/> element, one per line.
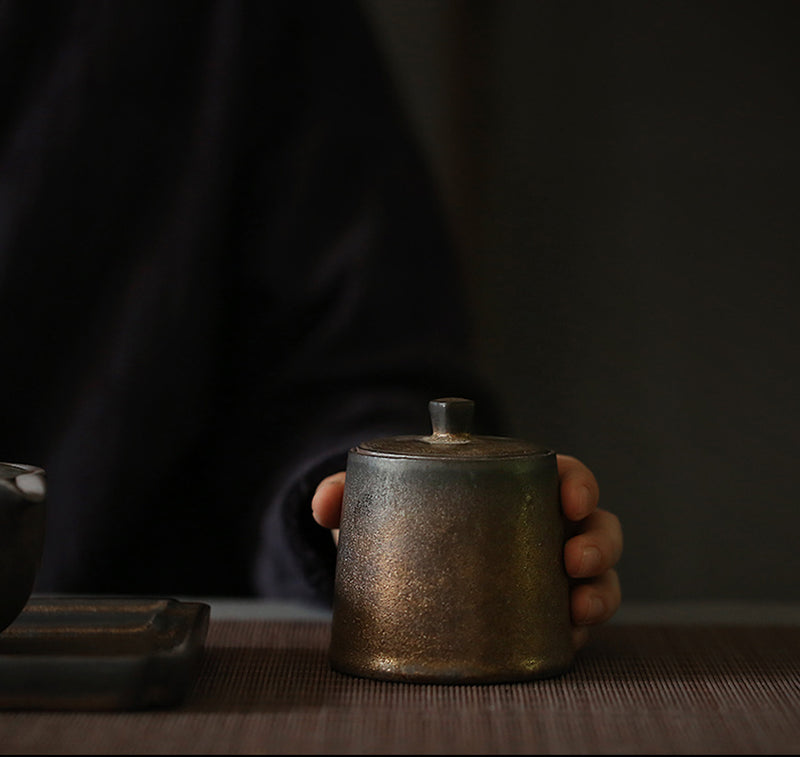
<point x="160" y="676"/>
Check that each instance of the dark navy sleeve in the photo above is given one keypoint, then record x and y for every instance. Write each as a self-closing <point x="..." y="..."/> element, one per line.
<point x="351" y="292"/>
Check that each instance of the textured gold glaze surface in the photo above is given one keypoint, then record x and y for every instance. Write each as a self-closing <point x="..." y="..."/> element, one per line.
<point x="450" y="570"/>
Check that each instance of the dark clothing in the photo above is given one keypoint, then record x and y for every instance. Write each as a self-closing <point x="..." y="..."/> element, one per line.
<point x="221" y="265"/>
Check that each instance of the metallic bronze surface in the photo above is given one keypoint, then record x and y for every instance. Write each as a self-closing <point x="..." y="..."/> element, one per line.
<point x="22" y="525"/>
<point x="450" y="564"/>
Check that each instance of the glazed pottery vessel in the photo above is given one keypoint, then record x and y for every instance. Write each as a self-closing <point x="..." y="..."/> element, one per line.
<point x="22" y="525"/>
<point x="450" y="563"/>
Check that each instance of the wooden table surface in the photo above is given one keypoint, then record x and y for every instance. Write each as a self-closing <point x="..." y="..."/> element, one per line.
<point x="669" y="679"/>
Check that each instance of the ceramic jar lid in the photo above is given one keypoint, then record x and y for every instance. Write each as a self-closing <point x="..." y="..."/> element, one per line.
<point x="452" y="438"/>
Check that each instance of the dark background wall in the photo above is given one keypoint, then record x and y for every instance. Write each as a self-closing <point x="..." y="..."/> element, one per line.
<point x="623" y="179"/>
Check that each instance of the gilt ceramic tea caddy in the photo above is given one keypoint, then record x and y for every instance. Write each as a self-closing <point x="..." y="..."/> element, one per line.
<point x="450" y="562"/>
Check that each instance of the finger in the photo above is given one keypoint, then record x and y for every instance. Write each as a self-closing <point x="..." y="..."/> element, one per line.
<point x="580" y="492"/>
<point x="326" y="504"/>
<point x="580" y="635"/>
<point x="597" y="548"/>
<point x="595" y="601"/>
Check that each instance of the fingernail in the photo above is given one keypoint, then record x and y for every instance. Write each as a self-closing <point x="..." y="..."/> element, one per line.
<point x="330" y="482"/>
<point x="590" y="562"/>
<point x="595" y="610"/>
<point x="580" y="635"/>
<point x="585" y="499"/>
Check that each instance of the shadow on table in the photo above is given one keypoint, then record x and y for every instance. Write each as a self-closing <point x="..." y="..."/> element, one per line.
<point x="236" y="679"/>
<point x="262" y="678"/>
<point x="631" y="664"/>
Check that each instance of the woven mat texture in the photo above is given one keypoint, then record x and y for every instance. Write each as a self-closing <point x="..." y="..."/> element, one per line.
<point x="266" y="687"/>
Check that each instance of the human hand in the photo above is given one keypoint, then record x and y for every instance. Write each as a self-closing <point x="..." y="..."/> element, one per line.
<point x="589" y="555"/>
<point x="592" y="552"/>
<point x="326" y="504"/>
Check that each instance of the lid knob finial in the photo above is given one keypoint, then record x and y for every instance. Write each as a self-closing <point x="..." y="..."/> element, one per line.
<point x="451" y="418"/>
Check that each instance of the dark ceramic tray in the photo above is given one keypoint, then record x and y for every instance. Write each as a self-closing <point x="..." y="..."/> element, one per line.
<point x="101" y="653"/>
